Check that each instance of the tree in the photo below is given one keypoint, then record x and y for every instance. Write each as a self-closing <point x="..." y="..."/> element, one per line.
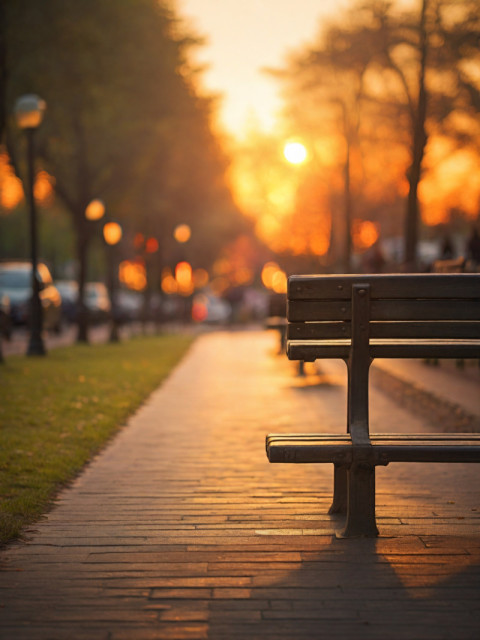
<point x="124" y="120"/>
<point x="399" y="76"/>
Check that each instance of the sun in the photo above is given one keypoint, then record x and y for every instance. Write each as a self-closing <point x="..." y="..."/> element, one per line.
<point x="295" y="152"/>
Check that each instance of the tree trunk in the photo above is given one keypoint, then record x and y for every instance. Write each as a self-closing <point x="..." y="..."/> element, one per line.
<point x="418" y="149"/>
<point x="82" y="311"/>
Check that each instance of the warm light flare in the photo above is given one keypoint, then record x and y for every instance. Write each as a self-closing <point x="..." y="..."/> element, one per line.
<point x="365" y="234"/>
<point x="133" y="274"/>
<point x="279" y="282"/>
<point x="151" y="245"/>
<point x="11" y="190"/>
<point x="112" y="232"/>
<point x="169" y="284"/>
<point x="295" y="152"/>
<point x="182" y="233"/>
<point x="95" y="210"/>
<point x="43" y="188"/>
<point x="452" y="183"/>
<point x="274" y="278"/>
<point x="184" y="278"/>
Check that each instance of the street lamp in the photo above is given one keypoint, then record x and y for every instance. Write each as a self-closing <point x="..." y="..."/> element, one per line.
<point x="29" y="111"/>
<point x="112" y="234"/>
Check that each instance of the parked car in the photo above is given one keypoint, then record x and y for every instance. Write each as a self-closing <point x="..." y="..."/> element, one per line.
<point x="69" y="292"/>
<point x="128" y="306"/>
<point x="97" y="300"/>
<point x="16" y="284"/>
<point x="210" y="308"/>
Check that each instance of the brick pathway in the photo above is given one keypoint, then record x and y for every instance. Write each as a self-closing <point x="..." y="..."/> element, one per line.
<point x="182" y="529"/>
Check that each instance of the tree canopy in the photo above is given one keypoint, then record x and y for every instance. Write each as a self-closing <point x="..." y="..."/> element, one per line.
<point x="125" y="119"/>
<point x="398" y="88"/>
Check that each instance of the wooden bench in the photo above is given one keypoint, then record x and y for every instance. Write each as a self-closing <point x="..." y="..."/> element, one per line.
<point x="360" y="318"/>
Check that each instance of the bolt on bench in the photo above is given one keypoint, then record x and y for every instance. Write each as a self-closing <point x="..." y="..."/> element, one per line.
<point x="357" y="319"/>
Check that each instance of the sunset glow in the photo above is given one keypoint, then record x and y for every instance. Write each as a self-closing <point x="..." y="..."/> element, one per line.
<point x="295" y="152"/>
<point x="274" y="278"/>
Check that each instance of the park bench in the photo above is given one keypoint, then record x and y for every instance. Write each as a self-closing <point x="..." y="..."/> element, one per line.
<point x="359" y="318"/>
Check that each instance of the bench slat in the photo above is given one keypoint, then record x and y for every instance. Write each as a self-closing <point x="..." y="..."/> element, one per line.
<point x="386" y="310"/>
<point x="316" y="349"/>
<point x="379" y="437"/>
<point x="386" y="286"/>
<point x="407" y="329"/>
<point x="384" y="448"/>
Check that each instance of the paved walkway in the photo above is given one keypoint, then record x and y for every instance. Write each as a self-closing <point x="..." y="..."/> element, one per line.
<point x="182" y="529"/>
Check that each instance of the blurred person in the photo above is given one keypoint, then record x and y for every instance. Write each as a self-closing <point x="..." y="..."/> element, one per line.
<point x="473" y="246"/>
<point x="374" y="259"/>
<point x="446" y="249"/>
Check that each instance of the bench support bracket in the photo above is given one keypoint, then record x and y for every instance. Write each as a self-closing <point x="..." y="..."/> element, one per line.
<point x="339" y="503"/>
<point x="361" y="502"/>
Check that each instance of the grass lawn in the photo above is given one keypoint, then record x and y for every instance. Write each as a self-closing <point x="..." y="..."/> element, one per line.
<point x="59" y="410"/>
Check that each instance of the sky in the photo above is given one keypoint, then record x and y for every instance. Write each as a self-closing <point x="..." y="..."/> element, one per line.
<point x="245" y="36"/>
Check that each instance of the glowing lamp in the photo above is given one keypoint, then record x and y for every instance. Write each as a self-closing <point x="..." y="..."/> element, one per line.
<point x="95" y="210"/>
<point x="112" y="233"/>
<point x="182" y="233"/>
<point x="29" y="110"/>
<point x="151" y="245"/>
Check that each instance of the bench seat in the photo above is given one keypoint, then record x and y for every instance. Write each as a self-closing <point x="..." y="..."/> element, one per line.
<point x="383" y="448"/>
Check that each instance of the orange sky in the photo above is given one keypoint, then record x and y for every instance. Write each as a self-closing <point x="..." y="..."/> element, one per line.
<point x="244" y="36"/>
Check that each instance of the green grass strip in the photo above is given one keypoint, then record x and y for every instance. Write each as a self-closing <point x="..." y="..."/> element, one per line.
<point x="57" y="411"/>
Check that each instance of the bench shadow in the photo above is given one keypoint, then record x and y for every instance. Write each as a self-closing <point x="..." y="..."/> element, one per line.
<point x="395" y="588"/>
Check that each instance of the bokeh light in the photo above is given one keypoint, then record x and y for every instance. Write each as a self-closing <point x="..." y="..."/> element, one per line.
<point x="132" y="274"/>
<point x="151" y="245"/>
<point x="95" y="210"/>
<point x="182" y="233"/>
<point x="184" y="279"/>
<point x="112" y="232"/>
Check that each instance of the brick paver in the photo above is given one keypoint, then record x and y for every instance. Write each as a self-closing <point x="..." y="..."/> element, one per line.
<point x="182" y="529"/>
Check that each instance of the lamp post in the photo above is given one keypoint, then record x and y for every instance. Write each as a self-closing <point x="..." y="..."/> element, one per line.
<point x="29" y="111"/>
<point x="112" y="234"/>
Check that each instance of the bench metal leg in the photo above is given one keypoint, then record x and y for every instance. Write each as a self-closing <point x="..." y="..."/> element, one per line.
<point x="339" y="503"/>
<point x="361" y="502"/>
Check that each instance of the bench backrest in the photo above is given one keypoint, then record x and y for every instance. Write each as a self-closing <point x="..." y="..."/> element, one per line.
<point x="362" y="317"/>
<point x="400" y="306"/>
